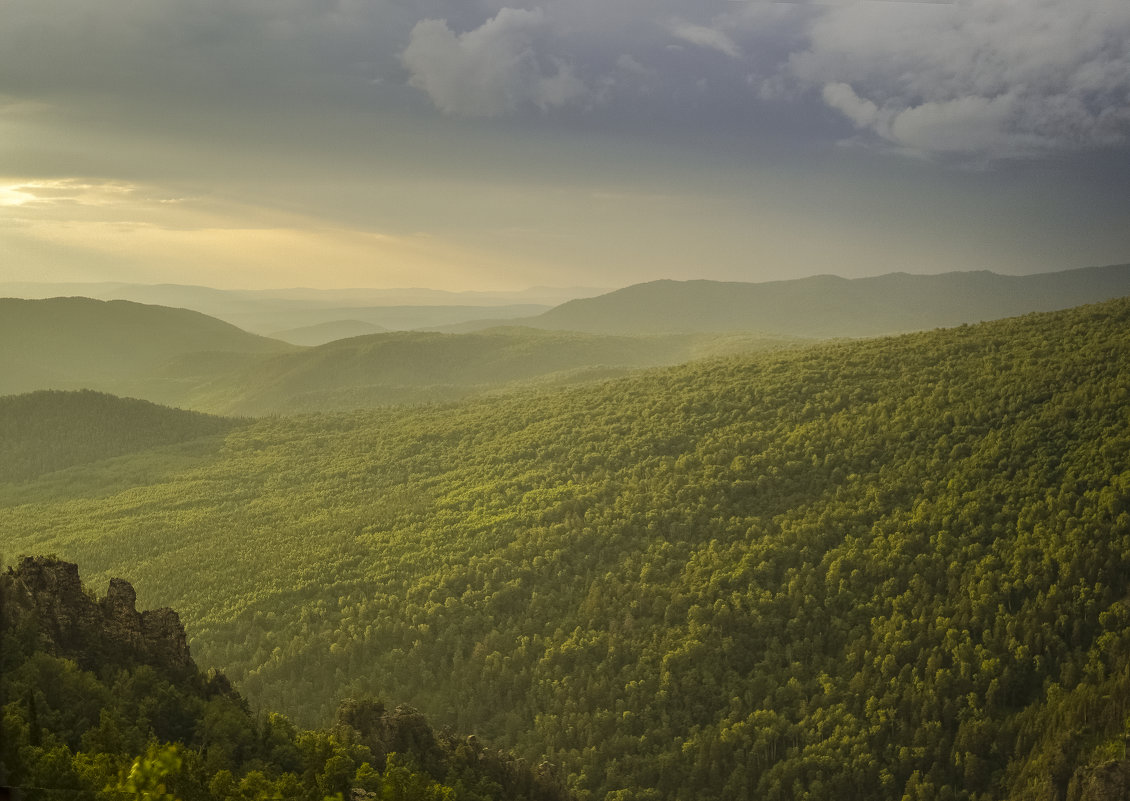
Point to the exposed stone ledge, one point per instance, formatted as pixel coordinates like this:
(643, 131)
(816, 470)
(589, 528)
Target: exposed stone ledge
(47, 594)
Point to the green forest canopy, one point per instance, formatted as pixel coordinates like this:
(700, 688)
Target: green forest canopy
(885, 569)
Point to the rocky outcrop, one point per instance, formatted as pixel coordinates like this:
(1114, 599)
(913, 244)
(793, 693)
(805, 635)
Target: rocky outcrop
(48, 592)
(163, 635)
(1109, 781)
(46, 599)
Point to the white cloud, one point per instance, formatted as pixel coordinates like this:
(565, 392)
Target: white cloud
(843, 98)
(704, 36)
(965, 124)
(490, 70)
(982, 77)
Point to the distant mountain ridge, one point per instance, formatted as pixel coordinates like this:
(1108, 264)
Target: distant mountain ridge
(263, 311)
(826, 306)
(183, 358)
(240, 299)
(321, 333)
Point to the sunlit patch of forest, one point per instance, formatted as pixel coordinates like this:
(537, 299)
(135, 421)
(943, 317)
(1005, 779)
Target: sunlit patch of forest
(883, 569)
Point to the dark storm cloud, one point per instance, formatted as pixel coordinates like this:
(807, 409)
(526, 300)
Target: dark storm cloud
(514, 57)
(979, 77)
(143, 49)
(557, 141)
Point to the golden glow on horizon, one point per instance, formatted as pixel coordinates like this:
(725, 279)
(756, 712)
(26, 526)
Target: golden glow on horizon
(465, 234)
(157, 237)
(15, 195)
(66, 190)
(283, 256)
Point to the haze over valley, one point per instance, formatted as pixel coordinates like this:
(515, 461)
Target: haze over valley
(188, 359)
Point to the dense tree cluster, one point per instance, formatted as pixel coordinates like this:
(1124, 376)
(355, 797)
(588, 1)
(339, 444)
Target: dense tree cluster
(889, 569)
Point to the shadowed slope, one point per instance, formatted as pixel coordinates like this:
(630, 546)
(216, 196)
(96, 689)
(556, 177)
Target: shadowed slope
(74, 343)
(50, 430)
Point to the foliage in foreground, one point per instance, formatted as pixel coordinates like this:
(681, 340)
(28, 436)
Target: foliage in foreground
(87, 723)
(876, 570)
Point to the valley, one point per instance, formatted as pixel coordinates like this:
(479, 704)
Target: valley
(884, 568)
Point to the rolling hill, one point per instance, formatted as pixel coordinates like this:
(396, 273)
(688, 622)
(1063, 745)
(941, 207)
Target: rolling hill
(888, 569)
(75, 343)
(49, 430)
(428, 367)
(827, 306)
(183, 358)
(267, 310)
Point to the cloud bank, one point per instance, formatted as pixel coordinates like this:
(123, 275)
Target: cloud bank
(982, 79)
(491, 70)
(996, 78)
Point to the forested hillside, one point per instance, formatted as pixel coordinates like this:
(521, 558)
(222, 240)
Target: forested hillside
(888, 569)
(422, 367)
(104, 702)
(79, 343)
(44, 431)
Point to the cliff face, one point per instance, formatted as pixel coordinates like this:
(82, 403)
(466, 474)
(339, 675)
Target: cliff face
(1109, 781)
(45, 599)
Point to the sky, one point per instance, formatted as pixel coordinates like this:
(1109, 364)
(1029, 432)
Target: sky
(502, 145)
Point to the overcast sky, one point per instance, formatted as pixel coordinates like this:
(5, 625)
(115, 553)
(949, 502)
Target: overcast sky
(486, 145)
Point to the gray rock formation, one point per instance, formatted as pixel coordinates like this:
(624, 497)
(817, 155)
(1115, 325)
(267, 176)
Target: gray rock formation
(46, 595)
